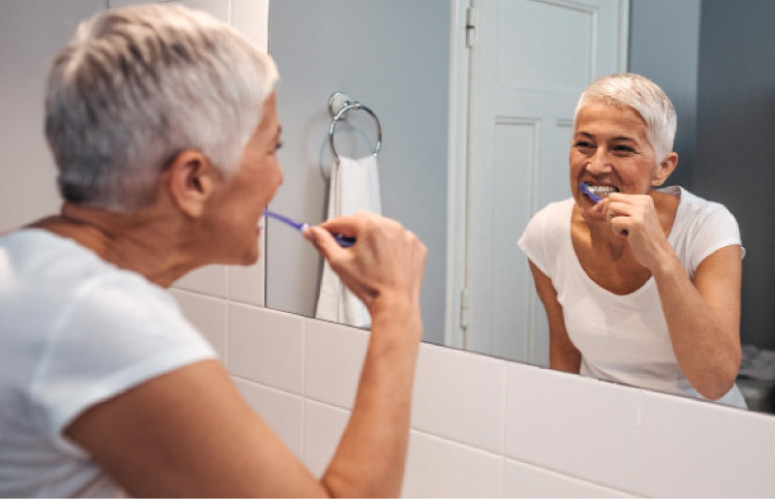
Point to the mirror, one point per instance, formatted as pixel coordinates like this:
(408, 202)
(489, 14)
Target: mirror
(402, 59)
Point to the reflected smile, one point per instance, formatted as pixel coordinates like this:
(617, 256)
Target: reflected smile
(601, 191)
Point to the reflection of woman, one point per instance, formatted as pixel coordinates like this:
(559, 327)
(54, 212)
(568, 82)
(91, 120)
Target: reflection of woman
(164, 128)
(643, 287)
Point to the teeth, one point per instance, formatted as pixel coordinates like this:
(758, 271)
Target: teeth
(602, 191)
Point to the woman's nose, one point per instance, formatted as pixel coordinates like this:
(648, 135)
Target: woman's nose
(599, 163)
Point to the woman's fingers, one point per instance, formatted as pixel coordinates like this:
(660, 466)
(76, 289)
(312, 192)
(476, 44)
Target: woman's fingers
(349, 225)
(386, 260)
(323, 241)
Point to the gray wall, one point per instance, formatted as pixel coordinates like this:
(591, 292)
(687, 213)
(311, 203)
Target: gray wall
(736, 142)
(715, 59)
(664, 46)
(393, 56)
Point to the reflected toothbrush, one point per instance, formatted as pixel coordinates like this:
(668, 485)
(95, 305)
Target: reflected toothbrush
(585, 189)
(344, 241)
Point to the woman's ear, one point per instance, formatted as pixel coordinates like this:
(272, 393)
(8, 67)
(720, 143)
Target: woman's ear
(192, 180)
(665, 168)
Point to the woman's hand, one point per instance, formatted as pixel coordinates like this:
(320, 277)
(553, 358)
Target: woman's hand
(634, 216)
(386, 263)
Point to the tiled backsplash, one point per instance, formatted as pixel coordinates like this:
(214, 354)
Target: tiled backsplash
(484, 427)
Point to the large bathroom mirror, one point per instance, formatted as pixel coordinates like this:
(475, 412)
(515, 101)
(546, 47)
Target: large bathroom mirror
(417, 64)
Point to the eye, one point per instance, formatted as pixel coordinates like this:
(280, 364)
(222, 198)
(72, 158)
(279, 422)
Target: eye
(278, 145)
(620, 148)
(584, 145)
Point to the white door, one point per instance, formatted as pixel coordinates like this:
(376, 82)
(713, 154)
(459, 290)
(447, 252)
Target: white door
(530, 61)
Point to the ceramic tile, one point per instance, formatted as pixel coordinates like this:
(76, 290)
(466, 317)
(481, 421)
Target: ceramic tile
(247, 284)
(580, 426)
(438, 468)
(114, 4)
(527, 481)
(282, 411)
(217, 8)
(333, 357)
(700, 449)
(323, 427)
(460, 396)
(208, 315)
(266, 347)
(251, 17)
(208, 280)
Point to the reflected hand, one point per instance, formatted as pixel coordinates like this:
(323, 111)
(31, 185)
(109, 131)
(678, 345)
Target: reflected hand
(385, 265)
(634, 216)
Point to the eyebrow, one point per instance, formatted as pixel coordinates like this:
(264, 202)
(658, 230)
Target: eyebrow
(617, 138)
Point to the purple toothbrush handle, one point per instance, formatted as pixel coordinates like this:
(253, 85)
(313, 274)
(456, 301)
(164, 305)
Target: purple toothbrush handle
(344, 241)
(585, 189)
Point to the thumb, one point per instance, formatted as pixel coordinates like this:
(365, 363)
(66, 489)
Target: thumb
(323, 241)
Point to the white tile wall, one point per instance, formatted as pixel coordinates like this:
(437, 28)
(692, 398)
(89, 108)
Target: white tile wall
(334, 356)
(246, 284)
(208, 315)
(460, 397)
(243, 16)
(266, 347)
(573, 424)
(483, 427)
(323, 427)
(209, 280)
(528, 481)
(283, 412)
(691, 449)
(439, 468)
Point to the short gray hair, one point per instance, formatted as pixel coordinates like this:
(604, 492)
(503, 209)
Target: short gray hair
(138, 85)
(644, 97)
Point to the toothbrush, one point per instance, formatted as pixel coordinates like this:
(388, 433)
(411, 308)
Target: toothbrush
(585, 189)
(344, 241)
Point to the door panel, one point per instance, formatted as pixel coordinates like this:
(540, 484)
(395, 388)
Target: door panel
(530, 61)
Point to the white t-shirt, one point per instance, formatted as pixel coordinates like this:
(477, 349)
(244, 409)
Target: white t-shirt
(74, 331)
(624, 338)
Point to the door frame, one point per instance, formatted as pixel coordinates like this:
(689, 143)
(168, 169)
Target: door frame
(459, 151)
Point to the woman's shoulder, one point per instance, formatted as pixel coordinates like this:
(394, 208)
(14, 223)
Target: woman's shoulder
(51, 274)
(557, 213)
(545, 232)
(693, 206)
(701, 227)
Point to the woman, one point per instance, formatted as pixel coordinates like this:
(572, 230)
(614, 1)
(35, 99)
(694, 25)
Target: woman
(643, 286)
(164, 128)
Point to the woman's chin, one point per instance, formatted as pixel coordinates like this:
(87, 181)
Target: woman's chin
(590, 215)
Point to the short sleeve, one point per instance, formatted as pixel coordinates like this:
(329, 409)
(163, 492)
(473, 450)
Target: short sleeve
(535, 239)
(112, 337)
(718, 230)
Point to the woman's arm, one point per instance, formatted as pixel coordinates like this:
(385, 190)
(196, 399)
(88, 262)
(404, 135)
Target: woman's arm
(563, 355)
(189, 433)
(703, 317)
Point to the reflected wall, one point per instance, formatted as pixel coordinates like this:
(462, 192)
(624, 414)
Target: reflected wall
(393, 56)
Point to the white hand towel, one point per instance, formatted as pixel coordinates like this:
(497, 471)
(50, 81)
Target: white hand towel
(354, 187)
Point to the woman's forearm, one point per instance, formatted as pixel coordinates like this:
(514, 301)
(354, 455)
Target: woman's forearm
(707, 351)
(371, 456)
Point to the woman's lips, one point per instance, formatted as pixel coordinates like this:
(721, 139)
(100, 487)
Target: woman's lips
(601, 191)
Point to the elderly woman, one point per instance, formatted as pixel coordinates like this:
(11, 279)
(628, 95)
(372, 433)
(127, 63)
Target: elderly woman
(163, 126)
(641, 286)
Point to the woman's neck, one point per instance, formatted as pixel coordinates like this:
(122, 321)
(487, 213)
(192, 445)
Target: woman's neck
(143, 242)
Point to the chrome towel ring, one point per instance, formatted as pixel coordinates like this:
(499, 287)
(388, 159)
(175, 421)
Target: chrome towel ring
(339, 105)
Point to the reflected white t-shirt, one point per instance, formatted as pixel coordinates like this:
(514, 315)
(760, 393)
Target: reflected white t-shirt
(74, 331)
(624, 338)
